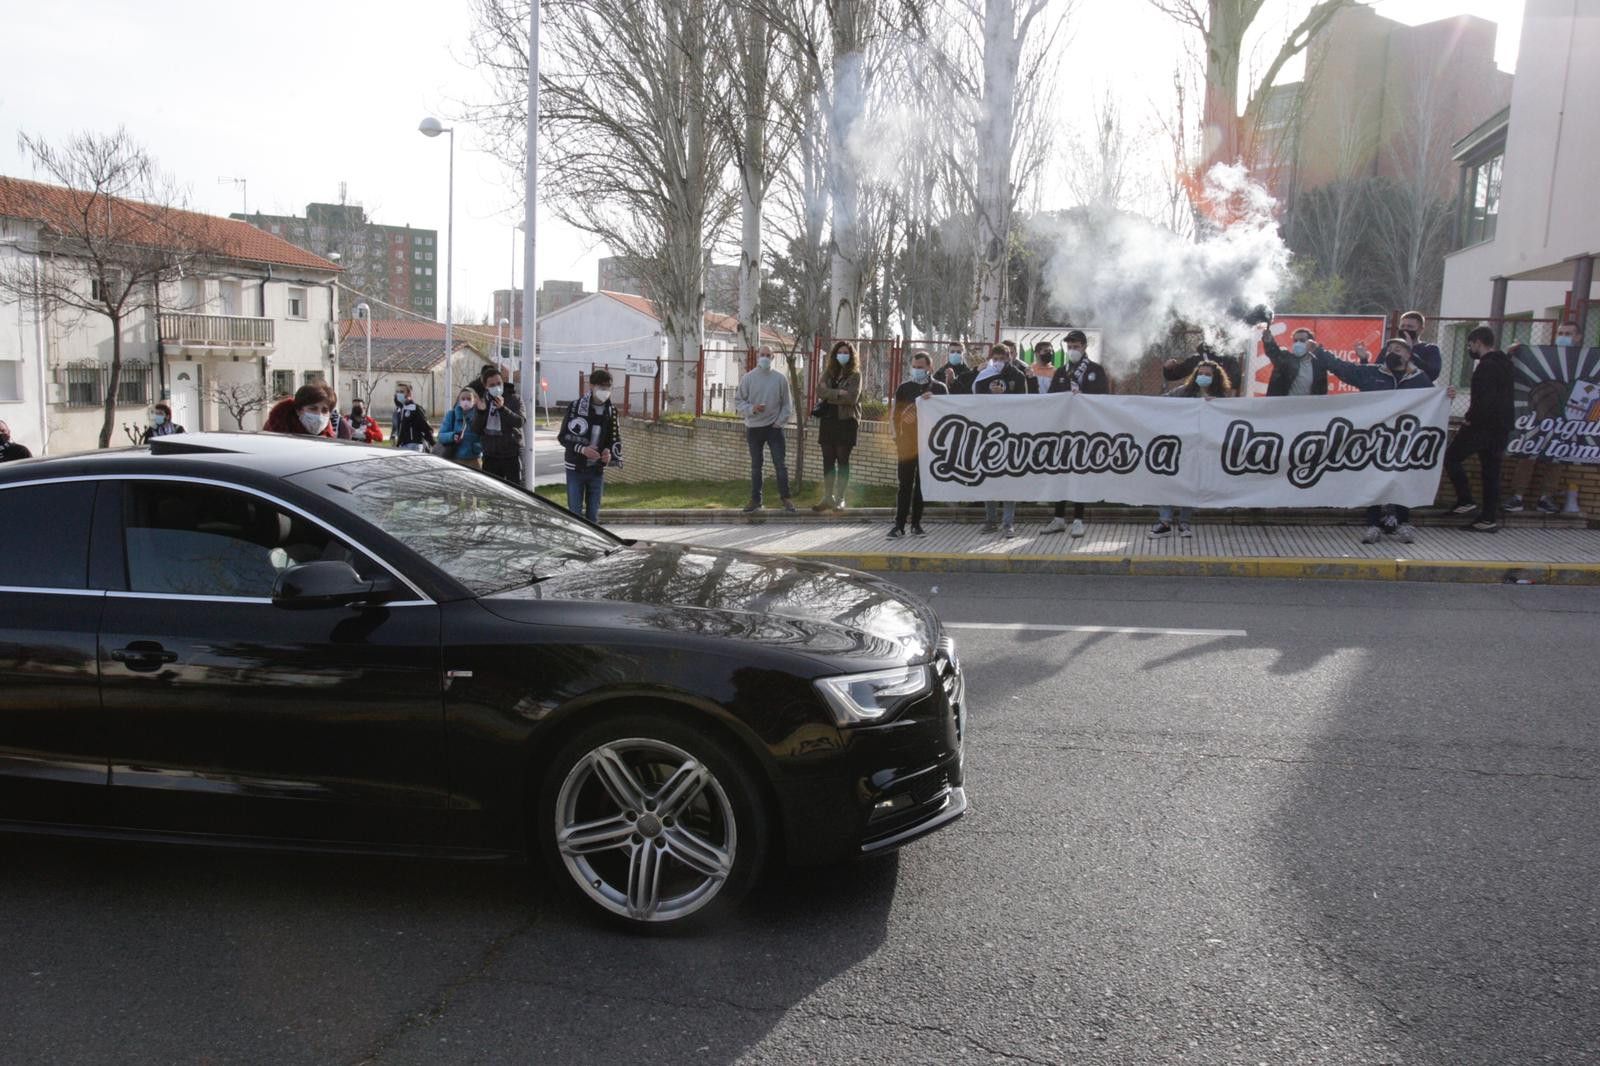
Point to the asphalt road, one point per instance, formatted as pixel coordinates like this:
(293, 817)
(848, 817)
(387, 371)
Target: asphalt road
(1364, 831)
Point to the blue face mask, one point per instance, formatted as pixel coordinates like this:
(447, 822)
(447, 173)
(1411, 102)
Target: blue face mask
(1301, 347)
(1203, 380)
(843, 358)
(764, 362)
(957, 359)
(158, 418)
(919, 375)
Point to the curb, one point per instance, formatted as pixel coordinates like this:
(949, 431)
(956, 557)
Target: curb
(1482, 573)
(966, 516)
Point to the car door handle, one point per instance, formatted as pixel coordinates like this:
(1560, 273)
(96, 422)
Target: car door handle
(144, 656)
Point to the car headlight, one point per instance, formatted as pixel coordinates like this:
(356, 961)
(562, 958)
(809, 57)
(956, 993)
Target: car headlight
(857, 698)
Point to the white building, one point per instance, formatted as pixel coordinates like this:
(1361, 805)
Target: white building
(624, 333)
(254, 311)
(1528, 232)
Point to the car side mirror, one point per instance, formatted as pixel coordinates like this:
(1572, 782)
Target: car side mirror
(326, 584)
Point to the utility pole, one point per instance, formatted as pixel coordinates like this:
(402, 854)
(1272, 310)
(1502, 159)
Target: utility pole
(529, 367)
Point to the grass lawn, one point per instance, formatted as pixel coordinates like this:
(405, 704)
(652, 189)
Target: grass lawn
(687, 495)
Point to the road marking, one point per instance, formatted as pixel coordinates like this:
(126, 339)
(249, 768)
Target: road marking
(1029, 627)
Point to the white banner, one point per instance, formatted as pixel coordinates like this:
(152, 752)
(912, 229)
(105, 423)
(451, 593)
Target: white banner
(1311, 451)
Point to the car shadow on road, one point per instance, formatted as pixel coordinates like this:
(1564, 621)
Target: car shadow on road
(135, 953)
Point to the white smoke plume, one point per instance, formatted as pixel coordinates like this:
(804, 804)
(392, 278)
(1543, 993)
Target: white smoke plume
(1136, 280)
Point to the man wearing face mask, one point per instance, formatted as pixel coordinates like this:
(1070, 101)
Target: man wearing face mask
(10, 449)
(955, 374)
(593, 439)
(498, 424)
(1295, 372)
(1000, 377)
(1484, 431)
(903, 417)
(1079, 374)
(415, 433)
(1425, 356)
(764, 402)
(1395, 371)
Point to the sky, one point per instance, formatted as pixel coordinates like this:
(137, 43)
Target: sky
(299, 96)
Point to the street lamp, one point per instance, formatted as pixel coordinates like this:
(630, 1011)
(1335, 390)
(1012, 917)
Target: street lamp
(432, 127)
(498, 350)
(364, 313)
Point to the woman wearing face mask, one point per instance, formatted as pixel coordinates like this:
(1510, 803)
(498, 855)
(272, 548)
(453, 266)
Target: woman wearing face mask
(840, 411)
(308, 413)
(456, 436)
(1209, 381)
(1394, 371)
(161, 423)
(414, 434)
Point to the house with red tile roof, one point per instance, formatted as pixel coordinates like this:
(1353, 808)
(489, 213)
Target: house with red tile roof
(250, 311)
(624, 333)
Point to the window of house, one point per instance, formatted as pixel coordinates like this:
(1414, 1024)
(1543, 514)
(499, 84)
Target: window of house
(297, 303)
(133, 384)
(430, 257)
(417, 256)
(315, 377)
(282, 383)
(416, 240)
(428, 271)
(10, 379)
(1480, 201)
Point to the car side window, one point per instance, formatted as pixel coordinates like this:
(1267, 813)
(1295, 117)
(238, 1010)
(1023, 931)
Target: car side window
(202, 540)
(44, 535)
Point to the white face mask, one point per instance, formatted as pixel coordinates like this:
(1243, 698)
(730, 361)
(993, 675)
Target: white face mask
(999, 361)
(314, 421)
(1074, 354)
(466, 403)
(602, 395)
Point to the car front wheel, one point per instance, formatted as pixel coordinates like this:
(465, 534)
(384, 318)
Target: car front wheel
(653, 822)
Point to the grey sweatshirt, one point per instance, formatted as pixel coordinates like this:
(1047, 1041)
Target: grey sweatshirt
(763, 387)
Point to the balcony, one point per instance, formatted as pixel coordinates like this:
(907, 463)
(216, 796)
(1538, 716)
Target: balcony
(216, 334)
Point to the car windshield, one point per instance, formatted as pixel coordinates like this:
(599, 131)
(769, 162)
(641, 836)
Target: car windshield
(486, 534)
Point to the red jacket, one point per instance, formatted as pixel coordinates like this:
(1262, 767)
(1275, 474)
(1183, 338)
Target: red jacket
(283, 418)
(366, 428)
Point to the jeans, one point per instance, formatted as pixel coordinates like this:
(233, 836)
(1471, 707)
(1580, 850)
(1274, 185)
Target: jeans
(1489, 453)
(411, 447)
(1184, 514)
(583, 492)
(1388, 515)
(770, 437)
(992, 510)
(909, 498)
(835, 469)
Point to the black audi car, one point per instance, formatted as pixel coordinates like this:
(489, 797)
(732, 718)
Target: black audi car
(230, 638)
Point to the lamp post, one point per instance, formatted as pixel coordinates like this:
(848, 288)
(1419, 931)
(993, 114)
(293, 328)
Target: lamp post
(530, 321)
(432, 127)
(364, 313)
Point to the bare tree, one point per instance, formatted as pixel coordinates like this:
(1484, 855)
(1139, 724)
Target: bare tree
(239, 398)
(1222, 26)
(633, 157)
(1411, 219)
(111, 231)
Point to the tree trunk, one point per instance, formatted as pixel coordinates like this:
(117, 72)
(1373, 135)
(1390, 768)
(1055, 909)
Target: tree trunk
(754, 178)
(844, 178)
(113, 380)
(996, 120)
(1220, 141)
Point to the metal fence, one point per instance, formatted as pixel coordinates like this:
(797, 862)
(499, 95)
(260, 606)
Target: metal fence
(84, 383)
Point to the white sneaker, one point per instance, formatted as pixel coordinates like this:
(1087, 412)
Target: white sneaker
(1009, 532)
(1372, 535)
(1057, 525)
(1077, 527)
(1184, 530)
(1407, 533)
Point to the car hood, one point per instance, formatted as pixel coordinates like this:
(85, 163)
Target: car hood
(812, 608)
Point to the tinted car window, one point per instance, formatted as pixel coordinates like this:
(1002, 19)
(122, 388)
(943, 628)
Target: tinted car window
(44, 535)
(484, 533)
(200, 540)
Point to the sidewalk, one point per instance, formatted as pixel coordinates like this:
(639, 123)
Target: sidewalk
(1556, 553)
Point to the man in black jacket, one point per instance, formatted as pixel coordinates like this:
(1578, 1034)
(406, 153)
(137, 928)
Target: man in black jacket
(955, 375)
(1083, 375)
(1485, 430)
(1298, 371)
(10, 449)
(592, 435)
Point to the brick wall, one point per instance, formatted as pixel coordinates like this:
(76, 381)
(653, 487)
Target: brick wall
(714, 449)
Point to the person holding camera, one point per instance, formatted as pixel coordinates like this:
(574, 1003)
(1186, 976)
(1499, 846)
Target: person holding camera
(498, 425)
